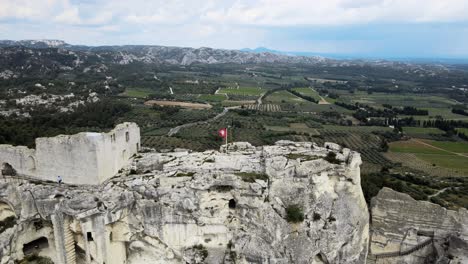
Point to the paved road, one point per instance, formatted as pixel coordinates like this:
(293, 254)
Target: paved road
(176, 129)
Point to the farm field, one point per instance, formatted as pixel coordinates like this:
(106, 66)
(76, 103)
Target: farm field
(420, 163)
(359, 139)
(443, 157)
(413, 146)
(176, 103)
(264, 107)
(297, 127)
(367, 129)
(308, 91)
(458, 147)
(312, 93)
(422, 132)
(284, 97)
(237, 103)
(452, 162)
(416, 100)
(137, 92)
(249, 91)
(445, 113)
(212, 97)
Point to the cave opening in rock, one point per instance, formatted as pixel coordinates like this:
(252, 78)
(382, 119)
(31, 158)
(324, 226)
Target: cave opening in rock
(320, 258)
(35, 246)
(8, 170)
(89, 236)
(232, 204)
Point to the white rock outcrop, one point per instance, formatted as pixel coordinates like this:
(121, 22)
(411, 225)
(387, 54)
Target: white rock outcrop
(231, 206)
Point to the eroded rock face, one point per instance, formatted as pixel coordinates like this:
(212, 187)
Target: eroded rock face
(191, 207)
(400, 224)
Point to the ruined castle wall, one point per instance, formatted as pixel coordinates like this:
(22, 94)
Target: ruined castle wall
(114, 149)
(83, 158)
(21, 159)
(71, 157)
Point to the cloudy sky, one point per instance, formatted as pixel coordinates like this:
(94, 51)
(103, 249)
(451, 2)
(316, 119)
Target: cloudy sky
(380, 28)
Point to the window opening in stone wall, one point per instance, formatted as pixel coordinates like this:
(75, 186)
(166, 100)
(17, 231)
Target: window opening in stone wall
(232, 204)
(89, 236)
(127, 136)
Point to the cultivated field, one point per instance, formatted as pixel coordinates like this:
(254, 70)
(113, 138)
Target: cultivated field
(176, 103)
(212, 97)
(248, 91)
(422, 132)
(284, 97)
(137, 92)
(264, 107)
(424, 164)
(441, 157)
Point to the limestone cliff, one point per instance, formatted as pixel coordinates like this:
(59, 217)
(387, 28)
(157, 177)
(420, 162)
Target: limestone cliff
(286, 203)
(408, 231)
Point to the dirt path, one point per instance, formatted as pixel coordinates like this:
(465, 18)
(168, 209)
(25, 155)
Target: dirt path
(439, 192)
(322, 100)
(176, 129)
(434, 147)
(225, 94)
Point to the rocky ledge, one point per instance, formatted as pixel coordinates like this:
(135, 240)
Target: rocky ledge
(286, 203)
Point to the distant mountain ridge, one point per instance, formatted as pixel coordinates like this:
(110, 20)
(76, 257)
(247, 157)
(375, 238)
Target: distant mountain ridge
(163, 54)
(47, 56)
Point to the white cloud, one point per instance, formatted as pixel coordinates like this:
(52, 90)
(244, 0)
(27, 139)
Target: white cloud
(247, 12)
(215, 23)
(338, 12)
(70, 15)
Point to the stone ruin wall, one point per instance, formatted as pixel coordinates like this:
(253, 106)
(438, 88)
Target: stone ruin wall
(83, 158)
(400, 223)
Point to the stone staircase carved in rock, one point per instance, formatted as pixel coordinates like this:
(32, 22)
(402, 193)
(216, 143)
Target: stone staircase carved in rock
(374, 257)
(69, 243)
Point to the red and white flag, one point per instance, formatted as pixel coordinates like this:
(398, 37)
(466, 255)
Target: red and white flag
(222, 132)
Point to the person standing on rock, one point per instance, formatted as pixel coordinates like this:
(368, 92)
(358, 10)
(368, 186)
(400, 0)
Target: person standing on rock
(59, 180)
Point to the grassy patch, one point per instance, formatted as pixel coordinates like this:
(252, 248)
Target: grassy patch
(212, 97)
(309, 92)
(453, 162)
(411, 146)
(201, 251)
(34, 258)
(301, 156)
(137, 92)
(331, 157)
(252, 176)
(458, 147)
(284, 97)
(294, 214)
(422, 131)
